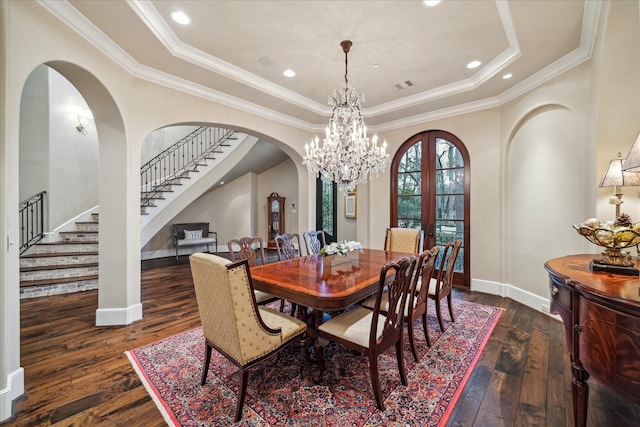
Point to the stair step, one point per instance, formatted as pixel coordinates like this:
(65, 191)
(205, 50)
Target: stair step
(58, 254)
(87, 226)
(49, 267)
(56, 287)
(79, 236)
(65, 273)
(49, 260)
(58, 248)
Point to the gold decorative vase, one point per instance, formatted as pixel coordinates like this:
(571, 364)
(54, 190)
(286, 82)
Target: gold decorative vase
(614, 239)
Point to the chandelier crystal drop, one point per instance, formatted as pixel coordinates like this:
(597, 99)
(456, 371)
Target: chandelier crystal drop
(346, 156)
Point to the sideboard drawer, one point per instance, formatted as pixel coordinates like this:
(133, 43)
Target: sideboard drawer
(560, 294)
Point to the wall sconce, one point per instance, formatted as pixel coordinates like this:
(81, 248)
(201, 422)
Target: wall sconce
(616, 177)
(84, 118)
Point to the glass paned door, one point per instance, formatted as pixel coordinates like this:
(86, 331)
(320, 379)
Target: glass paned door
(430, 190)
(326, 209)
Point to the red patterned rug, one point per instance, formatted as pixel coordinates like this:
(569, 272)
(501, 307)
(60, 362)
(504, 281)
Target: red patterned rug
(281, 391)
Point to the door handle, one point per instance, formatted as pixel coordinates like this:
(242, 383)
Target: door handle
(431, 230)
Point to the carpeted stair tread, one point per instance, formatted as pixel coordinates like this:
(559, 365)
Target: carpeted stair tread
(28, 283)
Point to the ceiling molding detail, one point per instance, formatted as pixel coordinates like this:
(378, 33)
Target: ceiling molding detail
(145, 10)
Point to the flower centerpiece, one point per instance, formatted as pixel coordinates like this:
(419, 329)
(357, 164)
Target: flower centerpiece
(341, 252)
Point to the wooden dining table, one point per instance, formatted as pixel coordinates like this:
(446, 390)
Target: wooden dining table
(308, 282)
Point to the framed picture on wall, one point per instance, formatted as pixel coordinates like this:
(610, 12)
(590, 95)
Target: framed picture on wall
(350, 205)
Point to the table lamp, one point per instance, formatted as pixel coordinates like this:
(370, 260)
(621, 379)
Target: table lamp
(617, 178)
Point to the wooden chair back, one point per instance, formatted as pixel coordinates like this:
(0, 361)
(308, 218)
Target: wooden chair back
(314, 241)
(285, 246)
(249, 248)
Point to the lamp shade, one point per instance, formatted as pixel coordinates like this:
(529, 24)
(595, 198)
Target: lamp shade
(632, 162)
(617, 177)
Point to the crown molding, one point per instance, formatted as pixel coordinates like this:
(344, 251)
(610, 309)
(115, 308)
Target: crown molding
(76, 21)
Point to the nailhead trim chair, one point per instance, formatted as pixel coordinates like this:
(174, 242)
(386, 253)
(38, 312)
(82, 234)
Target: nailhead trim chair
(233, 323)
(371, 332)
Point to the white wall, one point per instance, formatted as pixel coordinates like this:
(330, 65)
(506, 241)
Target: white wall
(500, 143)
(281, 179)
(54, 156)
(161, 139)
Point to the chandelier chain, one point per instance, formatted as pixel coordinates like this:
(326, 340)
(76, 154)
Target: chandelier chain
(346, 156)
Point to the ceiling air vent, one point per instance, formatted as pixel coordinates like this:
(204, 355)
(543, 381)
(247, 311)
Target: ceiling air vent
(404, 85)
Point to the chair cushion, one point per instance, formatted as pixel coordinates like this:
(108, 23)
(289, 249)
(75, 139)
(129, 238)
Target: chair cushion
(202, 241)
(291, 327)
(384, 304)
(403, 240)
(263, 296)
(353, 325)
(433, 283)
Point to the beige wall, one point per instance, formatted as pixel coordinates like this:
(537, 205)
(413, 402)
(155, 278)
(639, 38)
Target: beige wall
(563, 129)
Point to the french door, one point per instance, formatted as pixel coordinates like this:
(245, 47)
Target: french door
(326, 209)
(430, 190)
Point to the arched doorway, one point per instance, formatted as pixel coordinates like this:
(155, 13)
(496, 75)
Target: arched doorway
(430, 190)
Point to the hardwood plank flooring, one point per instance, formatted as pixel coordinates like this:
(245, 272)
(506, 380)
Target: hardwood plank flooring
(77, 374)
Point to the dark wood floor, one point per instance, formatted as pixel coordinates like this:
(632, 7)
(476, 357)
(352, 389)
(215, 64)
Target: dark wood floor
(77, 374)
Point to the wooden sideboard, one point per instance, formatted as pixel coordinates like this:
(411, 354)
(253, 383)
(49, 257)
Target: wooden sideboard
(601, 316)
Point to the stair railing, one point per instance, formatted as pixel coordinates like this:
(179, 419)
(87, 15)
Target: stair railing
(178, 160)
(31, 213)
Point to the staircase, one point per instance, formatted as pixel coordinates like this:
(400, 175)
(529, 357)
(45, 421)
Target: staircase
(71, 264)
(62, 267)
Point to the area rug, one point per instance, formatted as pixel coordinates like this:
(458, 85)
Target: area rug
(282, 391)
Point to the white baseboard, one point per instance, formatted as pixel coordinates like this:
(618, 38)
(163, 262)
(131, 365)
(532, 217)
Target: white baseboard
(167, 253)
(15, 389)
(508, 291)
(118, 316)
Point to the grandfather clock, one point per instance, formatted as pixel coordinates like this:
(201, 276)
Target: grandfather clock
(275, 218)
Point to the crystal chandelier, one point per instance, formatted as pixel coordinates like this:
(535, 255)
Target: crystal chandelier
(346, 156)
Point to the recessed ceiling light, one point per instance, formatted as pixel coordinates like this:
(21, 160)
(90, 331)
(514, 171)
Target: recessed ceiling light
(375, 66)
(221, 182)
(507, 76)
(474, 64)
(431, 3)
(289, 72)
(180, 17)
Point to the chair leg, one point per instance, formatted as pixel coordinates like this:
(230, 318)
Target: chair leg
(242, 390)
(450, 302)
(205, 365)
(426, 329)
(412, 340)
(439, 314)
(375, 382)
(281, 305)
(400, 357)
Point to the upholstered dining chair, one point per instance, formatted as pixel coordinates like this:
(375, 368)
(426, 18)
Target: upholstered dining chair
(417, 299)
(246, 251)
(403, 240)
(441, 285)
(285, 246)
(370, 331)
(233, 323)
(314, 241)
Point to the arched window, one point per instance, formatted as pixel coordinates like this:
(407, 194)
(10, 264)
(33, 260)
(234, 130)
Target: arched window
(430, 190)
